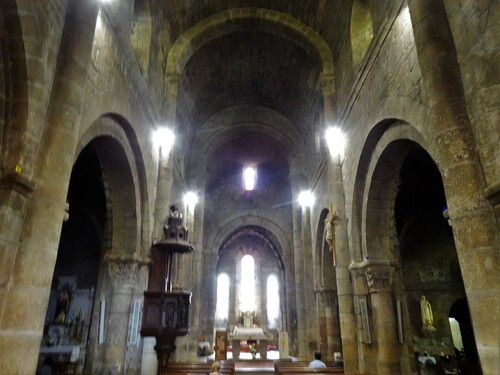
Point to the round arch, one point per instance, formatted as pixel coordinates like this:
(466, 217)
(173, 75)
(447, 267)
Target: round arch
(385, 149)
(238, 220)
(226, 22)
(124, 175)
(231, 122)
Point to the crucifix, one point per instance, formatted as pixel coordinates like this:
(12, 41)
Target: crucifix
(330, 232)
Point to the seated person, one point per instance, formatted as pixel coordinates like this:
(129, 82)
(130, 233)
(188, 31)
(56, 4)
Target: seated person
(337, 360)
(215, 369)
(317, 362)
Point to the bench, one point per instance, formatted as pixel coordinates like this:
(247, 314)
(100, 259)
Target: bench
(303, 368)
(290, 370)
(177, 368)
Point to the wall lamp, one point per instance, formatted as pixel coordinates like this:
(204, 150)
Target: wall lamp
(306, 198)
(163, 140)
(336, 141)
(190, 200)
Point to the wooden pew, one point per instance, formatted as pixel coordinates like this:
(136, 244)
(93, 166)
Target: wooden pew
(177, 368)
(303, 368)
(290, 370)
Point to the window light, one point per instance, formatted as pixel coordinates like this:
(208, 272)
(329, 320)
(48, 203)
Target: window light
(249, 177)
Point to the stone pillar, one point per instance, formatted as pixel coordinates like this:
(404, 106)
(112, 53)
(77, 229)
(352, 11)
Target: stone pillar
(323, 329)
(123, 274)
(344, 283)
(308, 281)
(333, 341)
(298, 261)
(330, 350)
(164, 184)
(471, 216)
(379, 280)
(26, 293)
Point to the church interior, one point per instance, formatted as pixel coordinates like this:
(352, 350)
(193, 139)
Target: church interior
(249, 181)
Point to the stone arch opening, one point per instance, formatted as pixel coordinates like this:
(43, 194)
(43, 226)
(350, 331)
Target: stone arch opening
(361, 30)
(266, 250)
(104, 226)
(84, 235)
(429, 263)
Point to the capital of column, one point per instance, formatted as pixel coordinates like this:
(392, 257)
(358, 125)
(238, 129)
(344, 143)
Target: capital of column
(123, 270)
(379, 274)
(327, 84)
(173, 84)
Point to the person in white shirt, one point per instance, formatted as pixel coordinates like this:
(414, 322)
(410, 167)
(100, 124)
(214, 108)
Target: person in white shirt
(317, 362)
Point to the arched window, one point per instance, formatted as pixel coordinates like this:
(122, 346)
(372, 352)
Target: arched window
(247, 287)
(222, 308)
(273, 301)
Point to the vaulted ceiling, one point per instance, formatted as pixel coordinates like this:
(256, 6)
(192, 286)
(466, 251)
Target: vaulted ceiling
(250, 61)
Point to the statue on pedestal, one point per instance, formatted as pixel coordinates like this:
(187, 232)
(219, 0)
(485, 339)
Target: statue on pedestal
(427, 317)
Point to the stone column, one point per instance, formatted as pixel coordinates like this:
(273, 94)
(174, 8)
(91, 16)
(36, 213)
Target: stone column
(379, 280)
(164, 184)
(308, 279)
(471, 217)
(26, 293)
(123, 274)
(332, 325)
(298, 261)
(322, 322)
(344, 283)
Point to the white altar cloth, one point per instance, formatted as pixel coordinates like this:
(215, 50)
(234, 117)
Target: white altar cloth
(254, 332)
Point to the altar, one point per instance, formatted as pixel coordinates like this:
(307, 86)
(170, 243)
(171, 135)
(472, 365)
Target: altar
(252, 334)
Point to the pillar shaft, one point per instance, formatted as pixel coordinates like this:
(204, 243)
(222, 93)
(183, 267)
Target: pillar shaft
(471, 217)
(379, 279)
(300, 303)
(311, 309)
(343, 275)
(26, 296)
(124, 277)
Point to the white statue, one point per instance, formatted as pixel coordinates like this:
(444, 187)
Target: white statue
(427, 317)
(330, 233)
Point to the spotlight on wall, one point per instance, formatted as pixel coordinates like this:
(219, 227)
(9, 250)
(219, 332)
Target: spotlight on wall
(306, 198)
(190, 200)
(163, 140)
(335, 140)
